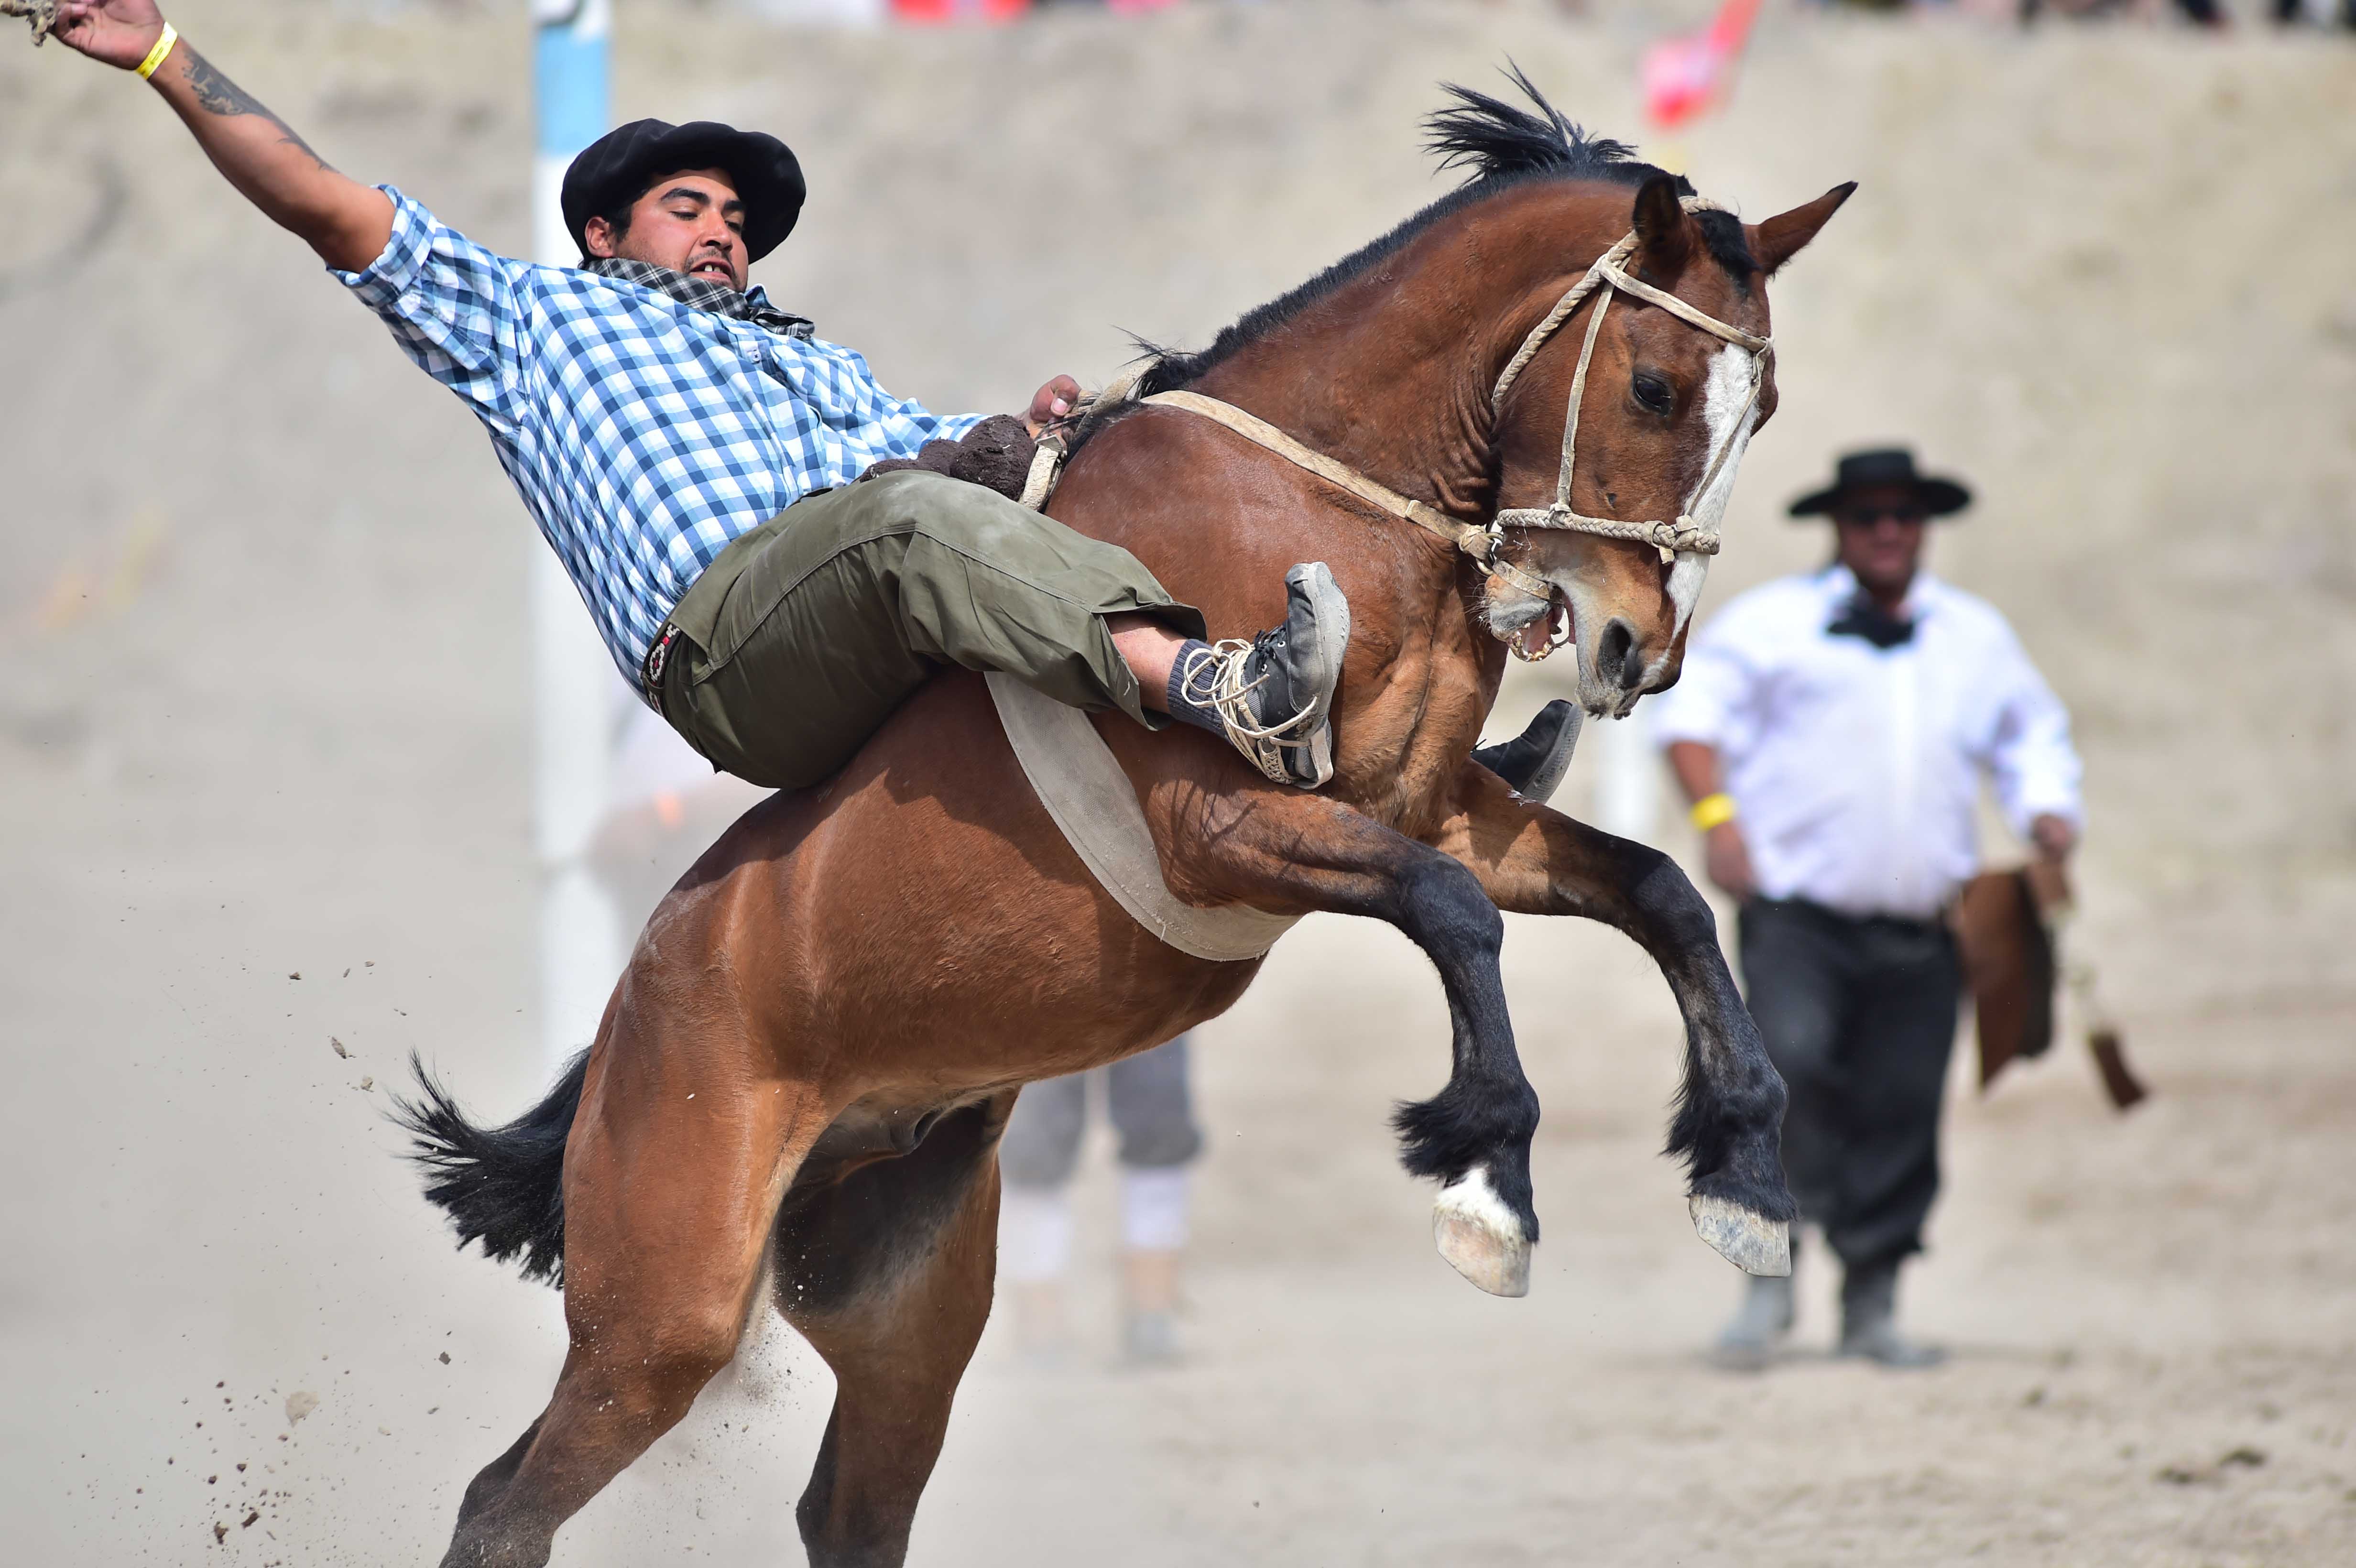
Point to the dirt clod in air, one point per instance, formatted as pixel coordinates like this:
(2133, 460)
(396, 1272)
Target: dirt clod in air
(445, 1358)
(2243, 1457)
(338, 1045)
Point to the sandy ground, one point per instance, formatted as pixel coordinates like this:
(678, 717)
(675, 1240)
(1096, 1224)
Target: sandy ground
(263, 751)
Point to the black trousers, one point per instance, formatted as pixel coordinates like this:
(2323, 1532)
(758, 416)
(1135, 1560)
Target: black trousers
(1859, 1016)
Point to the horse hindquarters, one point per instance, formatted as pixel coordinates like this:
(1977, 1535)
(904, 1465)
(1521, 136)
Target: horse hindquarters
(678, 1160)
(915, 932)
(888, 1273)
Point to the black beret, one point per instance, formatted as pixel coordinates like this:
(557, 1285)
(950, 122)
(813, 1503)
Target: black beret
(615, 170)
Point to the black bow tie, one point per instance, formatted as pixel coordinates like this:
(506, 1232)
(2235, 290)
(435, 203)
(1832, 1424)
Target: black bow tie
(1861, 617)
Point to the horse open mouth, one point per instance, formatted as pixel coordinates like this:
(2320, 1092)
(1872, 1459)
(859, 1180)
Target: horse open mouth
(1543, 633)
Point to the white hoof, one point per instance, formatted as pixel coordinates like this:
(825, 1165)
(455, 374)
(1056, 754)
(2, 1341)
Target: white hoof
(1480, 1237)
(1750, 1243)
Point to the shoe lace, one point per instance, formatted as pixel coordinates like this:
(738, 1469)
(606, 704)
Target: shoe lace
(1213, 678)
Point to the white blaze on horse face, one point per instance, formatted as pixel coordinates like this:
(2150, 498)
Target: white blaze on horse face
(1726, 398)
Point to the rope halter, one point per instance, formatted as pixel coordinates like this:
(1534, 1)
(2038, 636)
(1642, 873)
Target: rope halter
(1686, 537)
(1609, 274)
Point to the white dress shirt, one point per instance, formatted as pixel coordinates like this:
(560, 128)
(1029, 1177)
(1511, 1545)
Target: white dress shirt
(1856, 768)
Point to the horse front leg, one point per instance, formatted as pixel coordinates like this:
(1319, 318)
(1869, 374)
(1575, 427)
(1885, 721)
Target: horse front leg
(1729, 1115)
(1303, 852)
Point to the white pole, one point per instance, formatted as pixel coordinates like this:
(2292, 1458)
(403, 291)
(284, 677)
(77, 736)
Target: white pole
(1628, 788)
(572, 679)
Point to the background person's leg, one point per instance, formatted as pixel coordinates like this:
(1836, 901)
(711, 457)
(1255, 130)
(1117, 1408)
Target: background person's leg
(1796, 983)
(1903, 1034)
(1151, 1106)
(1036, 1156)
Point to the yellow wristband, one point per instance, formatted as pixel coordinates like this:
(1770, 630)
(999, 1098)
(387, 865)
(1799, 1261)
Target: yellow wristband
(1713, 810)
(164, 42)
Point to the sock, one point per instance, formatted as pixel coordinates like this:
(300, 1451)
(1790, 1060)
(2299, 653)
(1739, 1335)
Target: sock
(1154, 1205)
(1182, 707)
(1034, 1234)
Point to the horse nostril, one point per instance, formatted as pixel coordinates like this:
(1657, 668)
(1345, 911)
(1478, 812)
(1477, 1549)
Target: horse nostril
(1616, 658)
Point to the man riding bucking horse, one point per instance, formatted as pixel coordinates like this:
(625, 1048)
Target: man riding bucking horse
(689, 449)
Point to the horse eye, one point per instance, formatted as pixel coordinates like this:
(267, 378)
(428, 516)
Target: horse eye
(1655, 393)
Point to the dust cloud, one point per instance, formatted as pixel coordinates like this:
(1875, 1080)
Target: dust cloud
(262, 610)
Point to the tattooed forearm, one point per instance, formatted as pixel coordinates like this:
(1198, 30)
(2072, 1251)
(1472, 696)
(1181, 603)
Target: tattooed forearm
(217, 94)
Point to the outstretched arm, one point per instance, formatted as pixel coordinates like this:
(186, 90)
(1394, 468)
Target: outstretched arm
(346, 223)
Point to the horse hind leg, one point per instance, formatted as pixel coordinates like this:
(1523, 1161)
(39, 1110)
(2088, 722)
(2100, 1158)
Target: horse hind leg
(666, 1224)
(888, 1274)
(493, 1478)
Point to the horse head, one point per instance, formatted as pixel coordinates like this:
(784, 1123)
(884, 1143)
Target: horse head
(1620, 425)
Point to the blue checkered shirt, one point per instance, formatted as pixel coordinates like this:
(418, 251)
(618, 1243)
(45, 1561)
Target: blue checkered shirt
(644, 434)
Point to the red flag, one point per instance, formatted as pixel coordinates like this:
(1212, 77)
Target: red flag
(1685, 75)
(935, 11)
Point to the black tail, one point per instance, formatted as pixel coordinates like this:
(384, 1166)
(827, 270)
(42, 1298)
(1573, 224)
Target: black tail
(504, 1186)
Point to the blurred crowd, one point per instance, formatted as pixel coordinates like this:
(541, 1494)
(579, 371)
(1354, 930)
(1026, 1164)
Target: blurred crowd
(2214, 13)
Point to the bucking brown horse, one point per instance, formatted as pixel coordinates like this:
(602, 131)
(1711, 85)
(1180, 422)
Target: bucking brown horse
(799, 1083)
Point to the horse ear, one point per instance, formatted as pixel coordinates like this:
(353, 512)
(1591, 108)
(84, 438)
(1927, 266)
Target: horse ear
(1779, 239)
(1664, 231)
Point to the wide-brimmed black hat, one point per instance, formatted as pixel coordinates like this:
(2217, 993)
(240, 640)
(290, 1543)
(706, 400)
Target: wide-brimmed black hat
(1883, 466)
(618, 167)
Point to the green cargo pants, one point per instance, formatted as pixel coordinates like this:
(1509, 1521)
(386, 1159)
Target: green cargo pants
(803, 636)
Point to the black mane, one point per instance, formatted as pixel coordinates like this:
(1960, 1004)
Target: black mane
(1503, 145)
(1499, 142)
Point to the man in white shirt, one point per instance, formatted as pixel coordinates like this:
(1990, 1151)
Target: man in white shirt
(1832, 731)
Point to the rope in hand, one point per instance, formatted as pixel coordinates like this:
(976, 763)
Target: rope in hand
(41, 13)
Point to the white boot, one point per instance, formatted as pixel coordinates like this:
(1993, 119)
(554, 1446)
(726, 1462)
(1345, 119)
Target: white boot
(1759, 1325)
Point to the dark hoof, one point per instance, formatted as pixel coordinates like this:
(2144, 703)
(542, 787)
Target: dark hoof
(1533, 762)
